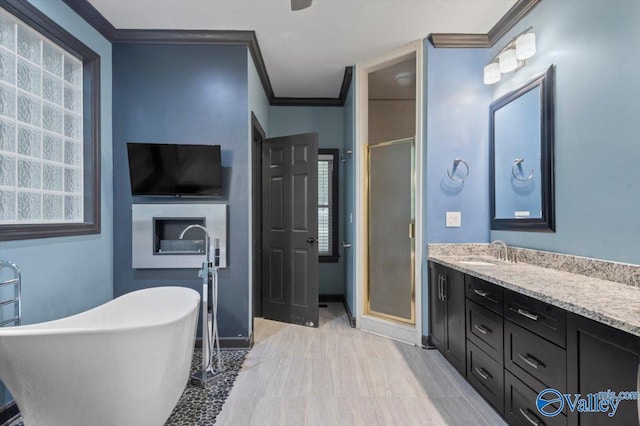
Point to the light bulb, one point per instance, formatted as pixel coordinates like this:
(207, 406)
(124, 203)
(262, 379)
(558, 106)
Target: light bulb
(508, 61)
(492, 73)
(526, 46)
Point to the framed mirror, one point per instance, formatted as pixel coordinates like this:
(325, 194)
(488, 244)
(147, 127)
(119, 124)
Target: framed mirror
(521, 158)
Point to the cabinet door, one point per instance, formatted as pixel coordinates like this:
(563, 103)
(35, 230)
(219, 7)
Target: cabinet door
(601, 358)
(436, 306)
(456, 324)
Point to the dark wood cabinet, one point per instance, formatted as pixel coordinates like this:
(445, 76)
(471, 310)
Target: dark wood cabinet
(602, 358)
(484, 293)
(484, 329)
(517, 346)
(527, 354)
(537, 316)
(520, 404)
(447, 314)
(486, 375)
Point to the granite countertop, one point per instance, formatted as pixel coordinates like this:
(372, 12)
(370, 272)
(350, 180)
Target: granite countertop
(608, 302)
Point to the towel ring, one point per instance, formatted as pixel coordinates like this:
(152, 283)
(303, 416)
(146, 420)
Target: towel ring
(456, 162)
(517, 163)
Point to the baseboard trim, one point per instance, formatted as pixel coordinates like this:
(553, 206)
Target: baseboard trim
(324, 298)
(8, 413)
(350, 317)
(427, 343)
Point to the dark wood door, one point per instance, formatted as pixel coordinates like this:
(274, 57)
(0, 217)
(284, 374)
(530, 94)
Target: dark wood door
(436, 306)
(290, 229)
(456, 324)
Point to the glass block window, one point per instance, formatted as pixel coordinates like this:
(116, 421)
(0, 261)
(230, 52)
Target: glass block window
(327, 204)
(41, 128)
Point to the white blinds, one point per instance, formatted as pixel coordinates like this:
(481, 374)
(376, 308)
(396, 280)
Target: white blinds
(325, 205)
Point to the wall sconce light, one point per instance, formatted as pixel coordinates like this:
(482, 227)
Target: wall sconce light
(512, 57)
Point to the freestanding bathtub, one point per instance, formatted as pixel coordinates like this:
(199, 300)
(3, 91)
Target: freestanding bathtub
(123, 363)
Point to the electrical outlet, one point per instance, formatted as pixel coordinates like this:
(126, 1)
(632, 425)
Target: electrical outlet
(454, 220)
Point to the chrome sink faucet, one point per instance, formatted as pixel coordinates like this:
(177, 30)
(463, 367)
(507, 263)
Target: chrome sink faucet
(499, 244)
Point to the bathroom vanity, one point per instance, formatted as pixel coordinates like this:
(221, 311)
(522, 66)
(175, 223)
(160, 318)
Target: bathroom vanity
(527, 328)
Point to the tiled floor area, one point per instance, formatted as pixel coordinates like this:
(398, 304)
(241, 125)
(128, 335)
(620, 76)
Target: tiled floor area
(332, 375)
(337, 375)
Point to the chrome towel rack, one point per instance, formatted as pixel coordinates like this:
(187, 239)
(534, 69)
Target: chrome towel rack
(517, 164)
(451, 173)
(16, 282)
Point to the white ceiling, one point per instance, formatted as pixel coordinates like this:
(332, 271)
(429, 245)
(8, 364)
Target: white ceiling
(305, 52)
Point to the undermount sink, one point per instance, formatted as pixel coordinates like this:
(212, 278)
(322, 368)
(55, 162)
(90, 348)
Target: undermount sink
(477, 263)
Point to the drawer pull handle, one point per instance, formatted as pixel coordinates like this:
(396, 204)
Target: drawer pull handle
(531, 361)
(483, 373)
(484, 294)
(527, 314)
(482, 329)
(534, 421)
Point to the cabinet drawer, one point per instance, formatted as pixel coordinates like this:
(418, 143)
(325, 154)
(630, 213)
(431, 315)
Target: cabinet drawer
(485, 330)
(540, 317)
(486, 375)
(483, 292)
(525, 351)
(520, 405)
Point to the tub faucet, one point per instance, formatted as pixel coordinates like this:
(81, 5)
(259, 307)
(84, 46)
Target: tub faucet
(500, 245)
(209, 275)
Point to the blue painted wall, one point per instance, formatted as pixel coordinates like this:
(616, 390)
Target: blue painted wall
(349, 221)
(456, 125)
(64, 276)
(328, 122)
(595, 47)
(185, 94)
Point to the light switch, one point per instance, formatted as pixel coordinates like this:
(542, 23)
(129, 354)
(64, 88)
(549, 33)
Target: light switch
(454, 220)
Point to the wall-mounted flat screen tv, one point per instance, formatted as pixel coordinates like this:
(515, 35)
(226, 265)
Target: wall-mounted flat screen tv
(175, 170)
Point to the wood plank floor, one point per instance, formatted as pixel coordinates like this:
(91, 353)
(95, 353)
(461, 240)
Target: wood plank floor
(337, 375)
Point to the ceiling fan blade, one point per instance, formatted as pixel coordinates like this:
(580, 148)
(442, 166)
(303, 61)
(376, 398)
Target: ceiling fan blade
(300, 4)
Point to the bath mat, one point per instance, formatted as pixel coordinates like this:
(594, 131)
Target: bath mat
(197, 406)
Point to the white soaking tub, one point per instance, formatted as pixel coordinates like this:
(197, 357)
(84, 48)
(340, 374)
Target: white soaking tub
(123, 363)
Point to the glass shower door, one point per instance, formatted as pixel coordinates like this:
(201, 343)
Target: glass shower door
(390, 290)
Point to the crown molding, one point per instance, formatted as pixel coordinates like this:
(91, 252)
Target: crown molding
(93, 17)
(510, 19)
(459, 40)
(221, 37)
(518, 11)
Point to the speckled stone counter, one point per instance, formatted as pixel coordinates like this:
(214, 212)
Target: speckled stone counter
(611, 303)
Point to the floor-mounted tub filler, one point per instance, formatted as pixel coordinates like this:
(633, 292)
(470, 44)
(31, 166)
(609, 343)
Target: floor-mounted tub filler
(126, 362)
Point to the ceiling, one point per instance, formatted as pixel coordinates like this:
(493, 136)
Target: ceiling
(306, 52)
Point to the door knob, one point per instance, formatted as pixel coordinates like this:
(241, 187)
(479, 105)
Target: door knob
(311, 240)
(346, 244)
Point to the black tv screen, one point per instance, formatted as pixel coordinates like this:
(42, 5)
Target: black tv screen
(173, 169)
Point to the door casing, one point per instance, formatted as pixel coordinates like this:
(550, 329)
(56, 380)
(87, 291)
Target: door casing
(400, 332)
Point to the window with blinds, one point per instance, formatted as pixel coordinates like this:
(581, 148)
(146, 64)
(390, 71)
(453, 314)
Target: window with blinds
(327, 203)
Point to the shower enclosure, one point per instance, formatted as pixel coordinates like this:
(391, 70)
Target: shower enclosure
(390, 293)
